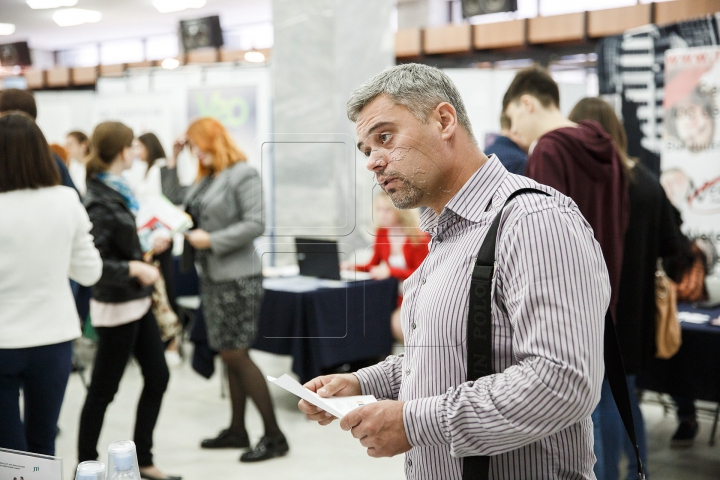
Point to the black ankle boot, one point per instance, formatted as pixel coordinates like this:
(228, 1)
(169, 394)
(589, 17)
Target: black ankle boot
(266, 448)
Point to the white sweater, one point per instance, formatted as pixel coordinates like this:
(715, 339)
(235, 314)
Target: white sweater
(44, 239)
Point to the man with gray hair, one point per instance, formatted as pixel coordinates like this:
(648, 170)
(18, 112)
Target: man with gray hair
(529, 417)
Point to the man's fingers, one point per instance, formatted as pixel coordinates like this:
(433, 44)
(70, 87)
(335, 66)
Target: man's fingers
(359, 433)
(316, 417)
(351, 420)
(314, 384)
(373, 452)
(332, 387)
(307, 407)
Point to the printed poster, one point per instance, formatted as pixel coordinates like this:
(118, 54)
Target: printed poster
(234, 107)
(690, 160)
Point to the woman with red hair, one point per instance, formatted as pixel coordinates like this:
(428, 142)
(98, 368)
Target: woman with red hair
(226, 205)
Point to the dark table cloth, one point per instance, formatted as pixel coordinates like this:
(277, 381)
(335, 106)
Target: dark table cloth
(328, 327)
(694, 371)
(320, 329)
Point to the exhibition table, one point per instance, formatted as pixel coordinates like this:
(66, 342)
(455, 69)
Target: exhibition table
(320, 323)
(326, 324)
(693, 372)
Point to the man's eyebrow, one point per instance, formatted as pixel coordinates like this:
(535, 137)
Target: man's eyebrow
(374, 127)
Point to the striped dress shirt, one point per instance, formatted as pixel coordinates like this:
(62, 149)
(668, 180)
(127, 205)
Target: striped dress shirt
(551, 290)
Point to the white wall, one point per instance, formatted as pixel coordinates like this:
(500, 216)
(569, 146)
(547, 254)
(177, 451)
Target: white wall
(63, 112)
(148, 100)
(482, 91)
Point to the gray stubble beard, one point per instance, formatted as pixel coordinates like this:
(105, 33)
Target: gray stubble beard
(407, 197)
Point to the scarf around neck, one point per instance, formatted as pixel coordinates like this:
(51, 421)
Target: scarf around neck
(120, 185)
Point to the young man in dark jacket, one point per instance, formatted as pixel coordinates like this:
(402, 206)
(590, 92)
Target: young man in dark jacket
(577, 159)
(509, 148)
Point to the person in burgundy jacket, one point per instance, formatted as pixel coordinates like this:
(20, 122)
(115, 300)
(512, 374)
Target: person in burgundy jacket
(577, 159)
(400, 247)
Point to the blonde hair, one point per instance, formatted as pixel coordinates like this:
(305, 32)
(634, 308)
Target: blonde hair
(210, 136)
(408, 219)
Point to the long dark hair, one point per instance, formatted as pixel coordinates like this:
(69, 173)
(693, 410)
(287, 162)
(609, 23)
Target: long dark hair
(108, 140)
(595, 108)
(25, 158)
(154, 148)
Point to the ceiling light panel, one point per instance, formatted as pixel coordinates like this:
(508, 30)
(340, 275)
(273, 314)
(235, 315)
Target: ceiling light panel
(40, 4)
(69, 17)
(7, 28)
(168, 6)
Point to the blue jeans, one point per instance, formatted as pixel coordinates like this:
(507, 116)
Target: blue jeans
(611, 438)
(42, 373)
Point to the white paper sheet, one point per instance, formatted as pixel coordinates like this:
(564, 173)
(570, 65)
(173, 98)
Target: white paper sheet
(337, 406)
(692, 317)
(14, 464)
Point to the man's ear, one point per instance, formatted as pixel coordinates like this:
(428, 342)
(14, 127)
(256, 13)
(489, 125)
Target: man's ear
(447, 117)
(529, 103)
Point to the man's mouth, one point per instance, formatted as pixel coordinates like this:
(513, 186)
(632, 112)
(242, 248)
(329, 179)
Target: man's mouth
(385, 182)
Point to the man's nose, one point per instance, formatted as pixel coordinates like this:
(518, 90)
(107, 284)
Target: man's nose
(376, 161)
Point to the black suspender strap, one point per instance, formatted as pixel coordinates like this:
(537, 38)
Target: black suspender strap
(479, 347)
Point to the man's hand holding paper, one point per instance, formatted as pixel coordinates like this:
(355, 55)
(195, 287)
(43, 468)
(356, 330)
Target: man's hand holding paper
(379, 426)
(340, 385)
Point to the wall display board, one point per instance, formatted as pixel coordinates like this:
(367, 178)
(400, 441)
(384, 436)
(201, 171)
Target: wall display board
(16, 465)
(235, 107)
(631, 76)
(143, 112)
(691, 140)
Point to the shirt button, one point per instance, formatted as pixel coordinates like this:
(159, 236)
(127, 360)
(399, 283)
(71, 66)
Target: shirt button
(439, 239)
(413, 325)
(407, 372)
(409, 463)
(423, 281)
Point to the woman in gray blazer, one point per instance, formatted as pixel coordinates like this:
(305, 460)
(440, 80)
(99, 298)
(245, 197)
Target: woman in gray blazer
(226, 205)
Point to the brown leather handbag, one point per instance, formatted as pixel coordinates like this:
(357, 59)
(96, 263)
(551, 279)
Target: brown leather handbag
(167, 320)
(692, 286)
(668, 334)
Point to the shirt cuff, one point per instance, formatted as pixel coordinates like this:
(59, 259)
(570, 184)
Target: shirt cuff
(425, 422)
(375, 381)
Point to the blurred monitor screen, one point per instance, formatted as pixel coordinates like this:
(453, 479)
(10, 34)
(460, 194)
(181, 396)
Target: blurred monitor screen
(201, 33)
(12, 54)
(470, 8)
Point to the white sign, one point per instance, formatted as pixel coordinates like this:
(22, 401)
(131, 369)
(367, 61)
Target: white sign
(16, 465)
(691, 141)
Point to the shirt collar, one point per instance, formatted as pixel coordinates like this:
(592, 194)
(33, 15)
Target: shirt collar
(472, 199)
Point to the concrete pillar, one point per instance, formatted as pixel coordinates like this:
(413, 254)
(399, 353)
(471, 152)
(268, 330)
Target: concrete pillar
(323, 49)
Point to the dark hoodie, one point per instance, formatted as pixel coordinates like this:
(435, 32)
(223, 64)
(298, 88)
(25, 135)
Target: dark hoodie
(582, 163)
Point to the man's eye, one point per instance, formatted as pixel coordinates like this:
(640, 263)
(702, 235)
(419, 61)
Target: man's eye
(384, 137)
(366, 153)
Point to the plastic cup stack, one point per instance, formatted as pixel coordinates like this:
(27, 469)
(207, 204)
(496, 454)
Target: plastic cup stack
(122, 461)
(90, 471)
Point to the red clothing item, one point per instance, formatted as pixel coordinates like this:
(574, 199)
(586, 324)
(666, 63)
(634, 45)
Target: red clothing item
(583, 163)
(414, 254)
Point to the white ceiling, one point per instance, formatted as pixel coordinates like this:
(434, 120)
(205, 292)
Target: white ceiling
(122, 19)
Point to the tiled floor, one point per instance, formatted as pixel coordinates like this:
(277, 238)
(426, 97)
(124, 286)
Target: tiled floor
(193, 409)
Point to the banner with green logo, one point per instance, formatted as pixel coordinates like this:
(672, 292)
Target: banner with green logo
(234, 107)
